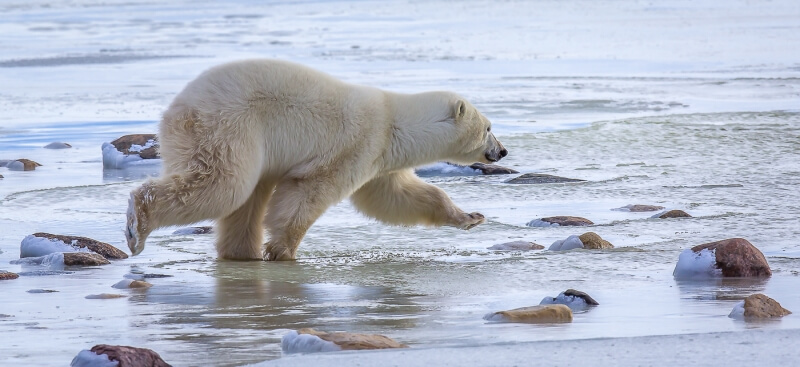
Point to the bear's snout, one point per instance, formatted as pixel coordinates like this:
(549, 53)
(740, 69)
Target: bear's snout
(496, 153)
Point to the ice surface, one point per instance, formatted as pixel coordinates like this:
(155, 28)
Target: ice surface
(738, 311)
(123, 284)
(293, 342)
(696, 265)
(57, 145)
(33, 246)
(573, 302)
(114, 159)
(55, 259)
(569, 243)
(445, 169)
(87, 358)
(511, 246)
(541, 223)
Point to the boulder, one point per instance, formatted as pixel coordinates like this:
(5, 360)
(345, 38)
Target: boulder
(636, 208)
(131, 283)
(516, 246)
(759, 306)
(539, 178)
(737, 257)
(84, 259)
(575, 300)
(1, 176)
(144, 145)
(22, 165)
(102, 248)
(7, 275)
(541, 314)
(593, 241)
(569, 243)
(560, 221)
(351, 341)
(130, 356)
(492, 169)
(57, 145)
(674, 214)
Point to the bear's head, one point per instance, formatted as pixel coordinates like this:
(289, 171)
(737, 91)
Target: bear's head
(475, 141)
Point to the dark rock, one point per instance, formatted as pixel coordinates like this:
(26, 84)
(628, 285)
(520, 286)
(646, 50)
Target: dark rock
(568, 221)
(351, 341)
(130, 356)
(57, 145)
(124, 144)
(586, 298)
(492, 169)
(84, 259)
(42, 291)
(1, 176)
(102, 248)
(22, 165)
(737, 257)
(675, 214)
(195, 230)
(592, 240)
(636, 208)
(7, 275)
(761, 306)
(539, 178)
(516, 246)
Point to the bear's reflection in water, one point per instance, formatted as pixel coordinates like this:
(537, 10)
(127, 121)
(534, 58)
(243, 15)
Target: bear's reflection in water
(239, 310)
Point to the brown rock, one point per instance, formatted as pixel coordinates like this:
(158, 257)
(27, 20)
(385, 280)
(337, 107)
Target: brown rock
(139, 284)
(492, 169)
(761, 306)
(124, 143)
(737, 257)
(7, 275)
(636, 208)
(592, 240)
(586, 298)
(536, 314)
(84, 259)
(539, 178)
(675, 214)
(102, 248)
(351, 341)
(516, 246)
(130, 356)
(568, 221)
(27, 165)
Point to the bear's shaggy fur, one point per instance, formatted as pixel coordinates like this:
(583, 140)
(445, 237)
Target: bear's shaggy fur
(270, 138)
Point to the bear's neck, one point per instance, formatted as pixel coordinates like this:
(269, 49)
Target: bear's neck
(418, 131)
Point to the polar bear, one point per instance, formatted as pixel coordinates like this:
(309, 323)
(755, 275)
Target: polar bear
(267, 142)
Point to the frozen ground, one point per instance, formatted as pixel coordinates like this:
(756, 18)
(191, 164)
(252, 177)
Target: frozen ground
(689, 105)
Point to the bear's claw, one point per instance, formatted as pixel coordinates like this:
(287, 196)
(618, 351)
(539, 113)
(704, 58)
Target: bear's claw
(273, 253)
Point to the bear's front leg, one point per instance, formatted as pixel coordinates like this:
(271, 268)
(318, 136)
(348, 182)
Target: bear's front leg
(403, 198)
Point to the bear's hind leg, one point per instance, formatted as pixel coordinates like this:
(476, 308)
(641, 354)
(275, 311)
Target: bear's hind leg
(402, 198)
(240, 235)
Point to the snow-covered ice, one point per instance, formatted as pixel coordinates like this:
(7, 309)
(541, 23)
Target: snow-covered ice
(696, 265)
(573, 302)
(87, 358)
(124, 283)
(55, 259)
(293, 342)
(32, 246)
(541, 223)
(738, 311)
(445, 169)
(114, 159)
(569, 243)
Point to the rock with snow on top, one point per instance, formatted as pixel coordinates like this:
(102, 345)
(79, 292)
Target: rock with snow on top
(575, 300)
(696, 265)
(516, 246)
(309, 340)
(77, 243)
(758, 306)
(492, 169)
(123, 356)
(57, 145)
(130, 150)
(542, 314)
(131, 283)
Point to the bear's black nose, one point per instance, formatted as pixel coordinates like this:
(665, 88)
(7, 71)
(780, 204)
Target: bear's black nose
(503, 152)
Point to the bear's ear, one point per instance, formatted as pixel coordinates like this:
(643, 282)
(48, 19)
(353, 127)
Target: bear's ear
(459, 110)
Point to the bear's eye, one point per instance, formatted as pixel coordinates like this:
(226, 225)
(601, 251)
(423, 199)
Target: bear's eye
(489, 129)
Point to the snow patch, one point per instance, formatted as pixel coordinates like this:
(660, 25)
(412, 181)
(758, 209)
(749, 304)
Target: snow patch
(573, 302)
(138, 148)
(87, 358)
(55, 259)
(123, 284)
(569, 243)
(15, 166)
(697, 265)
(293, 342)
(541, 223)
(446, 169)
(32, 246)
(494, 317)
(738, 311)
(114, 159)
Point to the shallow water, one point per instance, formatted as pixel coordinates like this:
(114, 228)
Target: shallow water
(709, 125)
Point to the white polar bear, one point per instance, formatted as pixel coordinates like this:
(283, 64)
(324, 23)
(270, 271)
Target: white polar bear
(264, 137)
